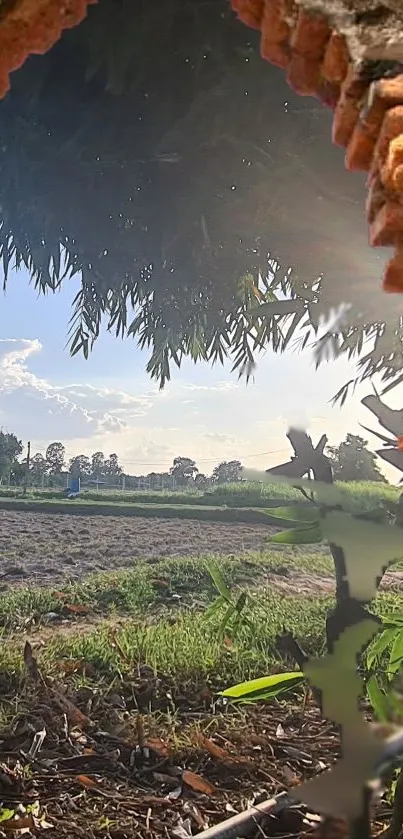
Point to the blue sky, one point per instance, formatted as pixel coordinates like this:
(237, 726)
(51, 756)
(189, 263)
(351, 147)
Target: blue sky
(108, 403)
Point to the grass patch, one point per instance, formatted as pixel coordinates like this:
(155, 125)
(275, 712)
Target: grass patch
(191, 651)
(359, 496)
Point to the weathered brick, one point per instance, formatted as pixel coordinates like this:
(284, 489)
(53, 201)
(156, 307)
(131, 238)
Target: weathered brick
(387, 227)
(393, 277)
(278, 54)
(249, 12)
(360, 150)
(348, 107)
(336, 59)
(382, 95)
(393, 162)
(328, 92)
(275, 30)
(376, 198)
(392, 126)
(310, 35)
(303, 74)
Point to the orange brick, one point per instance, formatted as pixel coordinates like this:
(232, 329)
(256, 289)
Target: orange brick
(310, 35)
(275, 30)
(336, 59)
(348, 107)
(382, 96)
(304, 74)
(398, 180)
(392, 126)
(277, 54)
(387, 227)
(328, 93)
(394, 160)
(376, 198)
(393, 277)
(360, 150)
(249, 12)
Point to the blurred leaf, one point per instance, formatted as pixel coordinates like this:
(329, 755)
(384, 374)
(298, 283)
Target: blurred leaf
(218, 579)
(197, 783)
(377, 699)
(299, 536)
(87, 782)
(294, 515)
(264, 688)
(381, 643)
(396, 653)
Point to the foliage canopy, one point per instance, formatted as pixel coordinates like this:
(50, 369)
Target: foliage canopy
(153, 154)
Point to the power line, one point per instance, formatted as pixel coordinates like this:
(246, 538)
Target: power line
(206, 459)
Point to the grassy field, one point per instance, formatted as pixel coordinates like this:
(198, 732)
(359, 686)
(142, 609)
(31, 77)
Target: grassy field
(221, 503)
(127, 660)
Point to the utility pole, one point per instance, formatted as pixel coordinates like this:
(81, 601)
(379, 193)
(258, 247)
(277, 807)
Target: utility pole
(27, 467)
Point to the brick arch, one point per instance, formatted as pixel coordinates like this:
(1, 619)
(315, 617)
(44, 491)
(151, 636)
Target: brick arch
(353, 62)
(33, 26)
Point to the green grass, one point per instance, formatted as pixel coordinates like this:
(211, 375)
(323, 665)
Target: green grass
(359, 496)
(189, 651)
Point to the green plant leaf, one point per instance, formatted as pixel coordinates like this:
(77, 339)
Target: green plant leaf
(215, 607)
(294, 515)
(263, 688)
(299, 536)
(378, 699)
(227, 617)
(218, 579)
(381, 643)
(396, 653)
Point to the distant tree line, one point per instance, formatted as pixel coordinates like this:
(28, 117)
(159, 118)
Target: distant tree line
(351, 461)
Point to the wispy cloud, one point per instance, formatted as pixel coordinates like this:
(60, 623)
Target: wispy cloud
(76, 410)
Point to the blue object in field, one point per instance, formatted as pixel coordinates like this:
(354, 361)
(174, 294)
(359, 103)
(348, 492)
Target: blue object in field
(74, 488)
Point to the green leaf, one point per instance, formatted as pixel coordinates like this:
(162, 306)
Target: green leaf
(263, 688)
(215, 607)
(6, 814)
(299, 536)
(381, 643)
(396, 653)
(378, 699)
(294, 515)
(218, 579)
(227, 617)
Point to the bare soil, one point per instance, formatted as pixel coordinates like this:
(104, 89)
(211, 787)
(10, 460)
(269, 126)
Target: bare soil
(49, 548)
(46, 548)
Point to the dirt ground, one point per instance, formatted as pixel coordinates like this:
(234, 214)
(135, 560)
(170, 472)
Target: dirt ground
(49, 548)
(46, 548)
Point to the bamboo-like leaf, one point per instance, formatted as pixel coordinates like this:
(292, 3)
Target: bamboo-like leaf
(378, 699)
(294, 515)
(263, 688)
(309, 535)
(218, 579)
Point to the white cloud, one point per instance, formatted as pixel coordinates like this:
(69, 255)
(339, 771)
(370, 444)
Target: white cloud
(148, 428)
(67, 411)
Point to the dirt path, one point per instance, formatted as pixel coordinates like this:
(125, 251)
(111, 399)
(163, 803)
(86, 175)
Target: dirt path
(292, 582)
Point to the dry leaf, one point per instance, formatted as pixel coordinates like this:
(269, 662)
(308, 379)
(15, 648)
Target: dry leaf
(197, 783)
(85, 781)
(158, 747)
(31, 665)
(219, 753)
(76, 609)
(69, 666)
(73, 714)
(24, 823)
(59, 595)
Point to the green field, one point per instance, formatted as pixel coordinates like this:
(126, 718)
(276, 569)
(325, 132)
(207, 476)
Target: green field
(129, 656)
(221, 503)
